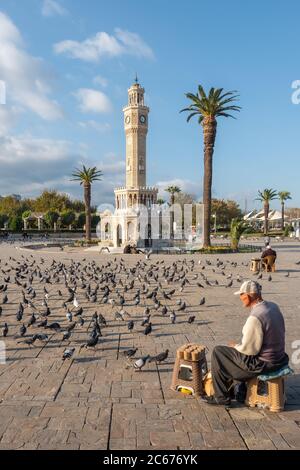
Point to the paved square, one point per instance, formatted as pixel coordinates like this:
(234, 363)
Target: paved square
(94, 400)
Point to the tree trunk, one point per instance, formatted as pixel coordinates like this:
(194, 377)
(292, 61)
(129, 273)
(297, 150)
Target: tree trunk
(209, 131)
(172, 217)
(87, 202)
(282, 215)
(266, 214)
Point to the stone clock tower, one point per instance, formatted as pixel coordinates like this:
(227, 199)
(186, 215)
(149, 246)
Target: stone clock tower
(136, 129)
(124, 224)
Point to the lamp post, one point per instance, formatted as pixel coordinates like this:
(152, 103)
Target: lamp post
(215, 224)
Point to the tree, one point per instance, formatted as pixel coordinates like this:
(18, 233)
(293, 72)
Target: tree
(67, 218)
(292, 212)
(266, 196)
(52, 200)
(208, 107)
(3, 219)
(160, 201)
(15, 223)
(11, 206)
(86, 177)
(283, 196)
(51, 217)
(95, 220)
(80, 220)
(237, 228)
(225, 211)
(172, 190)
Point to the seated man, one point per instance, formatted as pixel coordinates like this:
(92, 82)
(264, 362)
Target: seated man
(268, 252)
(262, 349)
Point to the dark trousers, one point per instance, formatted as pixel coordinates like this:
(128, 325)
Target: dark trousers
(228, 364)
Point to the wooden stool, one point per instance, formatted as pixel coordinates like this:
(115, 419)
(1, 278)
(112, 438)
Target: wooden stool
(266, 394)
(189, 370)
(255, 264)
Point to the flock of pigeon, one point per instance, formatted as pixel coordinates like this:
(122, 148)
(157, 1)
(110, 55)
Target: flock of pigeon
(31, 285)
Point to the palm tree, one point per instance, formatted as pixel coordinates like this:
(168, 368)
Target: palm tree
(266, 196)
(237, 228)
(283, 196)
(172, 190)
(209, 107)
(87, 176)
(160, 201)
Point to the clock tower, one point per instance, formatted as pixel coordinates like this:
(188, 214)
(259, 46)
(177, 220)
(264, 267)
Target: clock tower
(136, 129)
(125, 225)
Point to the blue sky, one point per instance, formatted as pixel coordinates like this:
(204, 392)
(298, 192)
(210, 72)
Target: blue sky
(67, 65)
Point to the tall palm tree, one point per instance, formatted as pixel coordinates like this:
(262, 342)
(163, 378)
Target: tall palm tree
(209, 107)
(172, 190)
(266, 196)
(283, 196)
(87, 176)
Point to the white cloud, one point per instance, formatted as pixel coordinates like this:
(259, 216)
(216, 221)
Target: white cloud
(186, 186)
(133, 44)
(105, 45)
(99, 80)
(93, 101)
(96, 126)
(53, 8)
(26, 77)
(8, 118)
(30, 165)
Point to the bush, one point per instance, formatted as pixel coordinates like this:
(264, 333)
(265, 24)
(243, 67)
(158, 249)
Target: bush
(16, 223)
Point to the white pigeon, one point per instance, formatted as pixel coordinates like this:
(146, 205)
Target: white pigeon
(75, 303)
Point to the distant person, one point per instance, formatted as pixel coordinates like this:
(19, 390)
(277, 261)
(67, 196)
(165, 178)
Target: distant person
(268, 251)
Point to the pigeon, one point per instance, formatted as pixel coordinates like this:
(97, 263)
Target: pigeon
(5, 330)
(32, 320)
(229, 284)
(130, 325)
(148, 329)
(41, 337)
(140, 363)
(173, 316)
(130, 352)
(191, 319)
(92, 342)
(160, 357)
(202, 301)
(66, 335)
(69, 316)
(182, 307)
(68, 353)
(54, 326)
(23, 330)
(270, 278)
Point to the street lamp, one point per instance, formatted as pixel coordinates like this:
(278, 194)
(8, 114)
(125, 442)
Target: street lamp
(215, 224)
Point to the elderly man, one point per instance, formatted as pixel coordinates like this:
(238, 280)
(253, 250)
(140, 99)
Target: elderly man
(262, 348)
(268, 252)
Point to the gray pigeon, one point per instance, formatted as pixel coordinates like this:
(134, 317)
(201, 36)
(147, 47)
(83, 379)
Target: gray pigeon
(140, 363)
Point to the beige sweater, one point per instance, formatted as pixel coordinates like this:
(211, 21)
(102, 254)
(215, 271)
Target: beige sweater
(252, 338)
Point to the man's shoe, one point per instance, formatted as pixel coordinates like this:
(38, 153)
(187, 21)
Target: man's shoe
(213, 401)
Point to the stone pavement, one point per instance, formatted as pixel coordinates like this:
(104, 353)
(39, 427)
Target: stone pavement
(94, 402)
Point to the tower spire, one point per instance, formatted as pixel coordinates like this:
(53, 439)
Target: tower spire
(136, 78)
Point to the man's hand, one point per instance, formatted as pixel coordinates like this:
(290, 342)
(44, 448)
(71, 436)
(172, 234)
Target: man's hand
(231, 344)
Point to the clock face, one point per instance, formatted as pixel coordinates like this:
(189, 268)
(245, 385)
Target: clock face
(127, 119)
(142, 119)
